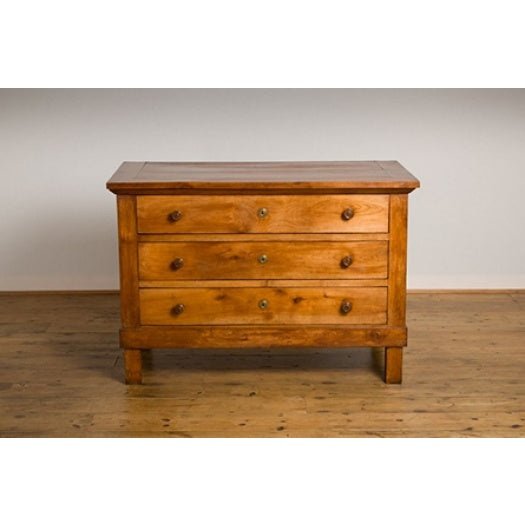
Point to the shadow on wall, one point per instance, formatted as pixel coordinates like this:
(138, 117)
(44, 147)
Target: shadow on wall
(64, 250)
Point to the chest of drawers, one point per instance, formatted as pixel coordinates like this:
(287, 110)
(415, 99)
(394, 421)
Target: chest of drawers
(262, 255)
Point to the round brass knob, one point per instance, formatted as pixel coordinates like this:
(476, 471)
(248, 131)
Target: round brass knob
(346, 261)
(177, 309)
(263, 304)
(175, 216)
(346, 306)
(177, 263)
(263, 258)
(347, 214)
(262, 213)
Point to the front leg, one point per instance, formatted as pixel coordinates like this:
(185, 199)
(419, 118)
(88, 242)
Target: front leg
(133, 366)
(393, 364)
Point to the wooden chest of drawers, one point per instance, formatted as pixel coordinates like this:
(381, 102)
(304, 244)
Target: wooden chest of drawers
(280, 254)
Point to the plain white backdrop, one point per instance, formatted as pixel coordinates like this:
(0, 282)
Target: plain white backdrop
(58, 222)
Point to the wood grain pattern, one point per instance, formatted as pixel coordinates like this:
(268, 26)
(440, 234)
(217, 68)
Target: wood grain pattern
(62, 376)
(283, 260)
(286, 214)
(393, 364)
(397, 260)
(128, 260)
(132, 366)
(198, 223)
(127, 171)
(129, 281)
(267, 237)
(243, 283)
(240, 306)
(180, 177)
(268, 336)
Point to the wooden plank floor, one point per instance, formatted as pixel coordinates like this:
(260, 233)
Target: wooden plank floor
(464, 375)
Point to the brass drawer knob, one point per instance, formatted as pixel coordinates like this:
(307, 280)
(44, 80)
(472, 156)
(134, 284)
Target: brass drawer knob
(346, 306)
(177, 263)
(346, 261)
(263, 304)
(263, 258)
(262, 213)
(347, 214)
(175, 216)
(177, 309)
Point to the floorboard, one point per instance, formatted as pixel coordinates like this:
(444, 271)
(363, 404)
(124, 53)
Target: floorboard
(61, 376)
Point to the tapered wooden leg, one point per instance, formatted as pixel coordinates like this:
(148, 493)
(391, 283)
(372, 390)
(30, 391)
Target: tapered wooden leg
(393, 364)
(133, 366)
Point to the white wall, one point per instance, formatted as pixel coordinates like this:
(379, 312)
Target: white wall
(58, 148)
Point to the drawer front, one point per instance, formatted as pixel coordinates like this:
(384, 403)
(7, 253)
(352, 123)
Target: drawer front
(164, 261)
(263, 306)
(263, 214)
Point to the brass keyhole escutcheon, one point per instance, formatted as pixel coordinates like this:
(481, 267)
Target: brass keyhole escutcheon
(263, 304)
(347, 261)
(262, 213)
(175, 216)
(347, 214)
(346, 306)
(263, 258)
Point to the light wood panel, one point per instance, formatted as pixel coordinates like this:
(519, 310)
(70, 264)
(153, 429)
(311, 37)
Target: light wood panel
(397, 269)
(303, 283)
(258, 336)
(128, 259)
(263, 260)
(242, 214)
(237, 237)
(264, 306)
(279, 177)
(132, 366)
(61, 376)
(393, 364)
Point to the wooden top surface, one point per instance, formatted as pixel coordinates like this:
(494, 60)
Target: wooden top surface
(164, 177)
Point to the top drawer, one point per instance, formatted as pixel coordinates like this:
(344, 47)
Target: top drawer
(263, 214)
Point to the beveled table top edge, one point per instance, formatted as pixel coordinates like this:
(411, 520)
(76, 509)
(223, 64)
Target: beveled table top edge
(267, 177)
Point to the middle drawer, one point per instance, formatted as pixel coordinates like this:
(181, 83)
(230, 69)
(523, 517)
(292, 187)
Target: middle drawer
(165, 261)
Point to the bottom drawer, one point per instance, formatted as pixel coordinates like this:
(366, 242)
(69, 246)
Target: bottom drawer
(263, 305)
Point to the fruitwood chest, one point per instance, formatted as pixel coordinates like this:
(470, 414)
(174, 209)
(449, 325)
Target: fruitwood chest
(261, 255)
